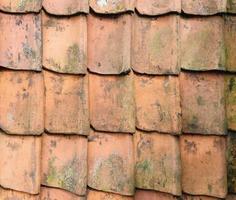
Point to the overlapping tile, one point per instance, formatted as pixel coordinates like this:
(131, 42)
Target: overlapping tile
(20, 6)
(204, 165)
(157, 162)
(158, 103)
(21, 102)
(66, 7)
(111, 163)
(151, 195)
(194, 197)
(66, 103)
(99, 195)
(112, 6)
(20, 163)
(231, 6)
(155, 39)
(157, 7)
(117, 94)
(20, 41)
(231, 197)
(203, 103)
(6, 194)
(109, 43)
(64, 163)
(202, 43)
(65, 44)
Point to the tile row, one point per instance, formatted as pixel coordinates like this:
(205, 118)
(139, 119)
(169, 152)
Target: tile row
(31, 102)
(114, 45)
(119, 163)
(153, 7)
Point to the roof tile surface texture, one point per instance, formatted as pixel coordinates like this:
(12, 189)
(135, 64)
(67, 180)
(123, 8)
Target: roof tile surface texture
(117, 100)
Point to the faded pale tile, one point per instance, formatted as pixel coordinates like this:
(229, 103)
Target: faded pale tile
(158, 103)
(21, 102)
(65, 44)
(202, 43)
(157, 7)
(204, 165)
(203, 103)
(111, 162)
(203, 7)
(99, 195)
(154, 40)
(58, 194)
(112, 6)
(20, 163)
(20, 6)
(66, 103)
(157, 162)
(6, 194)
(20, 41)
(64, 163)
(109, 44)
(231, 6)
(151, 195)
(112, 106)
(66, 7)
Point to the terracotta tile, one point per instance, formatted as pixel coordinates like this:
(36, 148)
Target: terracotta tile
(69, 34)
(190, 197)
(111, 163)
(231, 157)
(21, 102)
(155, 39)
(112, 106)
(204, 165)
(230, 37)
(157, 7)
(58, 194)
(151, 195)
(20, 163)
(231, 197)
(66, 103)
(158, 103)
(19, 6)
(231, 101)
(202, 43)
(109, 41)
(112, 6)
(231, 6)
(20, 41)
(65, 169)
(157, 162)
(97, 195)
(203, 93)
(203, 7)
(66, 7)
(14, 195)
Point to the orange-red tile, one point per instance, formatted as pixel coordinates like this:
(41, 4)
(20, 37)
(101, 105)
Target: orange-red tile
(112, 6)
(20, 163)
(154, 40)
(151, 195)
(64, 163)
(111, 162)
(158, 103)
(203, 103)
(20, 41)
(19, 6)
(204, 165)
(190, 197)
(21, 102)
(157, 7)
(112, 106)
(66, 103)
(203, 7)
(58, 194)
(157, 162)
(109, 44)
(202, 43)
(230, 37)
(14, 195)
(99, 195)
(66, 7)
(65, 44)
